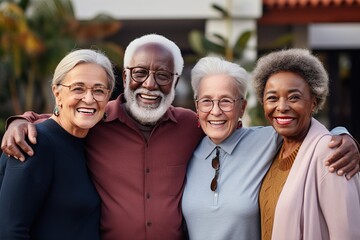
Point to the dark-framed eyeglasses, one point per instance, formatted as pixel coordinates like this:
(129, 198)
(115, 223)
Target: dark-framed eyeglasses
(215, 163)
(79, 90)
(225, 104)
(140, 74)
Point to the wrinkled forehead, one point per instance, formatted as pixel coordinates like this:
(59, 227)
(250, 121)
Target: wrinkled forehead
(153, 56)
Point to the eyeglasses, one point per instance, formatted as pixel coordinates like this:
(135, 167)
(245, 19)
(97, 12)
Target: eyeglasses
(216, 165)
(140, 74)
(225, 104)
(78, 91)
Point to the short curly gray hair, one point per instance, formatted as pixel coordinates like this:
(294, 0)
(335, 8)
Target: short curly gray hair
(298, 61)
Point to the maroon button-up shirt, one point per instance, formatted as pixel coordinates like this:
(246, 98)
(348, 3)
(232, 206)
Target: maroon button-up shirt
(141, 181)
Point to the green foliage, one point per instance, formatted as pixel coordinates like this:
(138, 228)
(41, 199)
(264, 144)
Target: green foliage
(203, 46)
(33, 42)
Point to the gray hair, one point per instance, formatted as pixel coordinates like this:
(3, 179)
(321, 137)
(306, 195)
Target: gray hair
(208, 66)
(298, 61)
(77, 57)
(156, 39)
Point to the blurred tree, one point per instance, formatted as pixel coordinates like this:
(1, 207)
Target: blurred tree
(204, 46)
(34, 36)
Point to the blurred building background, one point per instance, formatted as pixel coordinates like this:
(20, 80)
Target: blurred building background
(240, 30)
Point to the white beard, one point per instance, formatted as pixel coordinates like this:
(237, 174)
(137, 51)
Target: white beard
(147, 115)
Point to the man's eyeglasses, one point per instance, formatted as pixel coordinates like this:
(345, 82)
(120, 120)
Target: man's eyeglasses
(225, 104)
(78, 91)
(140, 74)
(216, 165)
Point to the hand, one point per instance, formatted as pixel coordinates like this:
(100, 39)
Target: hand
(14, 139)
(346, 158)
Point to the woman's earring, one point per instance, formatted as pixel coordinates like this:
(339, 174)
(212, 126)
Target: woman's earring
(198, 121)
(104, 117)
(56, 111)
(239, 125)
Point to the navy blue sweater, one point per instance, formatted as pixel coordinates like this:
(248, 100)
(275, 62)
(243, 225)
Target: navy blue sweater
(50, 195)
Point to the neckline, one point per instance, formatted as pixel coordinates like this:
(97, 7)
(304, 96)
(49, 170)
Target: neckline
(287, 162)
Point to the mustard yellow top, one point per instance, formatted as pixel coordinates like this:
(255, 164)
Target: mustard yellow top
(271, 188)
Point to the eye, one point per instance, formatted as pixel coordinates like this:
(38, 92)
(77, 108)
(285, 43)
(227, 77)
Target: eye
(140, 72)
(226, 100)
(77, 88)
(294, 98)
(163, 75)
(99, 90)
(271, 98)
(205, 101)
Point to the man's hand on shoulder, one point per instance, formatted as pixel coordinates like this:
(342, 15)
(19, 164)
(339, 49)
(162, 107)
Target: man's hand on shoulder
(13, 142)
(346, 158)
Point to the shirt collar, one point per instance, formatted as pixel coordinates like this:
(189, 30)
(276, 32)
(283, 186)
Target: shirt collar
(228, 146)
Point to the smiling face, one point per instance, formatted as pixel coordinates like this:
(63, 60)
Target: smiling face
(147, 102)
(77, 116)
(217, 124)
(288, 105)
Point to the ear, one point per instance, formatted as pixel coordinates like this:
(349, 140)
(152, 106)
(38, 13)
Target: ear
(314, 104)
(56, 93)
(124, 78)
(176, 81)
(243, 106)
(196, 108)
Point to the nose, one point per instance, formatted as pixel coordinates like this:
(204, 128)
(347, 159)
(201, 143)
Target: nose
(88, 97)
(150, 82)
(283, 105)
(216, 109)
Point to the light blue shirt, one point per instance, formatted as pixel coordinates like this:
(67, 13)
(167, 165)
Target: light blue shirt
(232, 211)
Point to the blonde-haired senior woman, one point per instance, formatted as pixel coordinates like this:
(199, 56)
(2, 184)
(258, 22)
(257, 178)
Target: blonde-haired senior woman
(51, 195)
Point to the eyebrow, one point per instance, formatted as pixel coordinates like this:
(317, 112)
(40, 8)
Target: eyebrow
(83, 84)
(290, 91)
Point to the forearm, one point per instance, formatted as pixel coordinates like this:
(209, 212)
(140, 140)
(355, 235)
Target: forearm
(28, 116)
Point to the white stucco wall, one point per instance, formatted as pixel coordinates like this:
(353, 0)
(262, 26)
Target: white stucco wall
(335, 36)
(165, 9)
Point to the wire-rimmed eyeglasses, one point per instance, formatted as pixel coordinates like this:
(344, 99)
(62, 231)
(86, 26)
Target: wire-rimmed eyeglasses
(215, 163)
(140, 74)
(225, 104)
(79, 90)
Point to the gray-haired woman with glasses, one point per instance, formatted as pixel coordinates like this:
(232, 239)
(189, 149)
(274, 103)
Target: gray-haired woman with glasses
(220, 199)
(51, 196)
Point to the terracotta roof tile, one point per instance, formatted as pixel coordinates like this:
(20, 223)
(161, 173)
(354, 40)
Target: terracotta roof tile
(314, 3)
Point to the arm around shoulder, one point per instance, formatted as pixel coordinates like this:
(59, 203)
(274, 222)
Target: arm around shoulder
(20, 127)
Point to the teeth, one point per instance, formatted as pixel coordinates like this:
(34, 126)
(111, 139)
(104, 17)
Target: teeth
(149, 97)
(86, 110)
(216, 122)
(284, 120)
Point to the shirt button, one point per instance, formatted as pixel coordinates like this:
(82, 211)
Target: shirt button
(147, 170)
(148, 223)
(148, 195)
